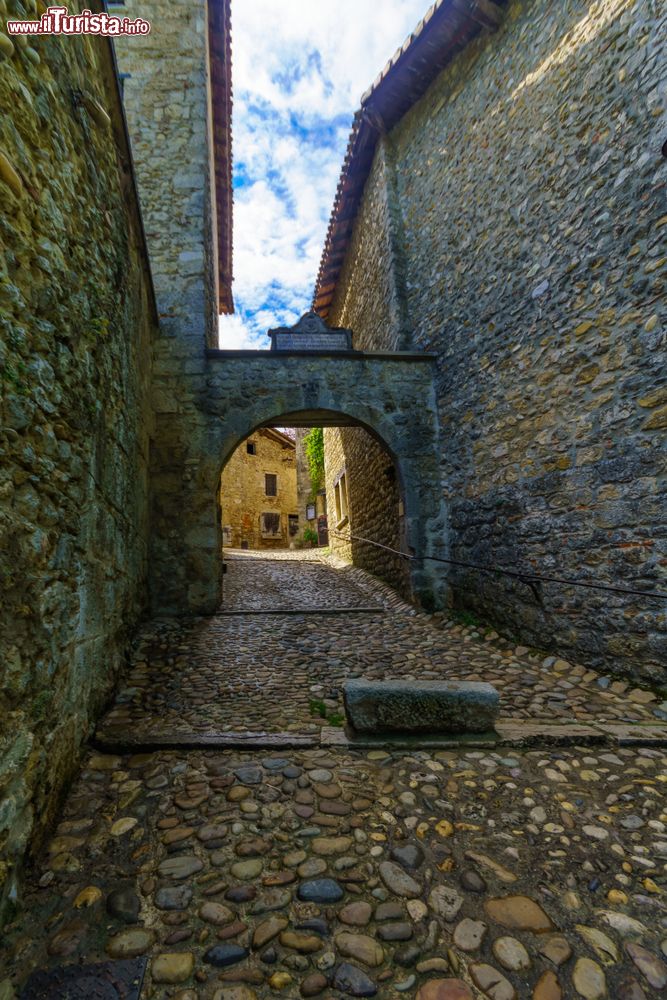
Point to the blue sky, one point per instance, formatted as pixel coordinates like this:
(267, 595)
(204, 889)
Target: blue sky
(299, 70)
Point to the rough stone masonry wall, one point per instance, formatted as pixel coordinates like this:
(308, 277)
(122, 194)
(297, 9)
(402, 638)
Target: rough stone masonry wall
(375, 509)
(75, 329)
(375, 312)
(375, 309)
(532, 189)
(243, 492)
(167, 100)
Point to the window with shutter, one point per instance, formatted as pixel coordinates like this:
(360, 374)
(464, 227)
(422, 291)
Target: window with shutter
(271, 525)
(270, 485)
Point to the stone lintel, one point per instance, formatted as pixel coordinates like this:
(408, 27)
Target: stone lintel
(535, 732)
(519, 734)
(123, 741)
(638, 733)
(420, 706)
(311, 333)
(292, 612)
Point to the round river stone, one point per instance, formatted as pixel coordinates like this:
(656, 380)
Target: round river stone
(320, 890)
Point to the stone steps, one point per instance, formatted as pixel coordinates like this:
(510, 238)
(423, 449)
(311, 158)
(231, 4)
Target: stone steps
(507, 733)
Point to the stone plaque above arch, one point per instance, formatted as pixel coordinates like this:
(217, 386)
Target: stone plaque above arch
(311, 333)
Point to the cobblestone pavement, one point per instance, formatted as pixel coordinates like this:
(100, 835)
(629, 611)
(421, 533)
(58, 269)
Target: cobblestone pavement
(464, 874)
(284, 673)
(443, 876)
(287, 580)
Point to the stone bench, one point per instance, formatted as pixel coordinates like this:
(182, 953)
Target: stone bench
(420, 706)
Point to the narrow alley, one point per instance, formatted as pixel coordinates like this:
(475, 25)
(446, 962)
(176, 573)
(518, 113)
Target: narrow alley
(333, 519)
(308, 866)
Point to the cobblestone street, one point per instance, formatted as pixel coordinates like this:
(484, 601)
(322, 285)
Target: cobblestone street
(458, 874)
(283, 672)
(288, 581)
(446, 875)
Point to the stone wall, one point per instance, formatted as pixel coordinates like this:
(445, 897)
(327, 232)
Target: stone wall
(167, 98)
(243, 492)
(532, 193)
(375, 310)
(76, 321)
(375, 507)
(168, 104)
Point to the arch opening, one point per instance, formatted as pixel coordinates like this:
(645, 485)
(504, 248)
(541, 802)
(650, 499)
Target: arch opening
(270, 500)
(392, 398)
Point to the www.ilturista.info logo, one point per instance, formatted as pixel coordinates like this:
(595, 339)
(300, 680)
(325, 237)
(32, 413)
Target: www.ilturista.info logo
(59, 21)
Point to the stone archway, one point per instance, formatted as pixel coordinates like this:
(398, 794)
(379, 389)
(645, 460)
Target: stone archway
(390, 395)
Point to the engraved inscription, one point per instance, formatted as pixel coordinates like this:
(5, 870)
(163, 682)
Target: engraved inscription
(311, 342)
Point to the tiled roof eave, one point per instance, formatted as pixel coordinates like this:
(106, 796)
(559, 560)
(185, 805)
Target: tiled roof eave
(220, 53)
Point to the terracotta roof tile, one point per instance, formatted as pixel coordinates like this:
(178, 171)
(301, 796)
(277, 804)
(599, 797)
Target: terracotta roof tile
(220, 49)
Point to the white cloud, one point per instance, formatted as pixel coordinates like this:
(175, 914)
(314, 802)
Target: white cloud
(238, 335)
(299, 70)
(340, 47)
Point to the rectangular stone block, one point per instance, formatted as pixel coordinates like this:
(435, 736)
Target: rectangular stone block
(420, 706)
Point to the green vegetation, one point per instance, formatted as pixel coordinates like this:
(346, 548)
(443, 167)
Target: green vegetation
(314, 448)
(41, 704)
(317, 707)
(309, 535)
(467, 618)
(99, 326)
(14, 374)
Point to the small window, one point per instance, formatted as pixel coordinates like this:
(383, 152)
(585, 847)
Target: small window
(251, 448)
(293, 524)
(271, 525)
(340, 496)
(310, 512)
(270, 485)
(227, 535)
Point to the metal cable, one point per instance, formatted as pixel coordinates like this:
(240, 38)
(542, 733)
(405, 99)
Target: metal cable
(527, 577)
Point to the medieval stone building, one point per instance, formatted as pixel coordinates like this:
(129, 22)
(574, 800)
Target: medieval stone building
(258, 493)
(364, 502)
(502, 205)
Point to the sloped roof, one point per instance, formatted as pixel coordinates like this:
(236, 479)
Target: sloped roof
(220, 55)
(284, 439)
(447, 28)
